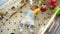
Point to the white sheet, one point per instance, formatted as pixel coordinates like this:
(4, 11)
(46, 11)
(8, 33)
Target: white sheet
(2, 2)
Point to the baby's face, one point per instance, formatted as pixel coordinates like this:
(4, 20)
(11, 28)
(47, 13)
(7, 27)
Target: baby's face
(34, 7)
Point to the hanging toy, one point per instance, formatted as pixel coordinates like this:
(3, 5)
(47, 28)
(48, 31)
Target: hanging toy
(52, 3)
(39, 2)
(43, 8)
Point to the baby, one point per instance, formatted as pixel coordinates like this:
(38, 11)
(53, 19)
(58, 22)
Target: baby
(29, 18)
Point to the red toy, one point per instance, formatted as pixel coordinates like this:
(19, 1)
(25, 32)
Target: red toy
(43, 8)
(52, 3)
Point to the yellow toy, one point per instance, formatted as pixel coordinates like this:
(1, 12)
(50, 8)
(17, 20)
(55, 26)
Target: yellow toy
(36, 11)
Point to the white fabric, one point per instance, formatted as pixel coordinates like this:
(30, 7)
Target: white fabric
(21, 30)
(2, 2)
(28, 20)
(31, 2)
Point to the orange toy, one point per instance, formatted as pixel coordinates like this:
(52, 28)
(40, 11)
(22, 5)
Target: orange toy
(43, 8)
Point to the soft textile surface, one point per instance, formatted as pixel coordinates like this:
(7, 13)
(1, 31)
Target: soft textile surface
(2, 2)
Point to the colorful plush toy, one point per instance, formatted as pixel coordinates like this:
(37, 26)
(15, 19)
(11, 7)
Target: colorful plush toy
(36, 9)
(52, 3)
(43, 8)
(57, 9)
